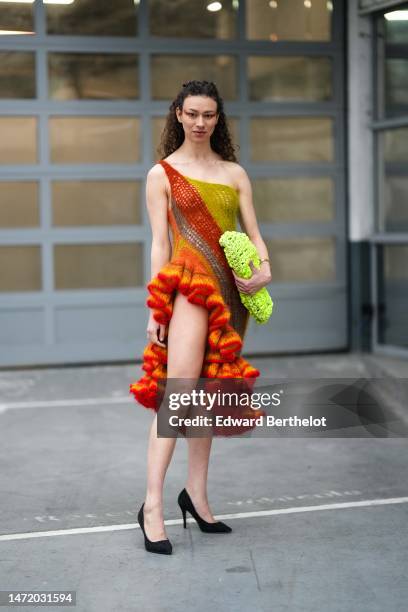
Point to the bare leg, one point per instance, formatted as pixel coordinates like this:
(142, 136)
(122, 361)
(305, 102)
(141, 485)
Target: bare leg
(198, 459)
(159, 454)
(186, 340)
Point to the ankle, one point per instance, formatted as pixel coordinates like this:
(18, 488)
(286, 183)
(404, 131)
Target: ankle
(197, 494)
(153, 505)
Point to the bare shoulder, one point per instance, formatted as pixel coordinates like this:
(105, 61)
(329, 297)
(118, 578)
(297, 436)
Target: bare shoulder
(237, 173)
(156, 177)
(156, 172)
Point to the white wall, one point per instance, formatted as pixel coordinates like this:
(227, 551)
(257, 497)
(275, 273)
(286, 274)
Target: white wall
(360, 146)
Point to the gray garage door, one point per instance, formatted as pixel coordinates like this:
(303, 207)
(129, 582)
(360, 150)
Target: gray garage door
(84, 89)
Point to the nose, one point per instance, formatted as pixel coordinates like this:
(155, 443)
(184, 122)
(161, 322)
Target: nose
(200, 121)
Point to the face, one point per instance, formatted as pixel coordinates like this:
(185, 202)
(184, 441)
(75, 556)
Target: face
(198, 117)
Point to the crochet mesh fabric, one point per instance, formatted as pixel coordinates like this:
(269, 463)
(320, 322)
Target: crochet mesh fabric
(239, 251)
(200, 212)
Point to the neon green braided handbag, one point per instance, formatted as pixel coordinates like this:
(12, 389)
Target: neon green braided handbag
(239, 251)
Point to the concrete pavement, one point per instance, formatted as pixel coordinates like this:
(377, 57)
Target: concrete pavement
(318, 524)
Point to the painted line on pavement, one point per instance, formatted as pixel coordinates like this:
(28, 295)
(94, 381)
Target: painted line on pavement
(239, 515)
(66, 403)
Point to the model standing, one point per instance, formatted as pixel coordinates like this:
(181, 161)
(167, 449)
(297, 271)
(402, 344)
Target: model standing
(197, 321)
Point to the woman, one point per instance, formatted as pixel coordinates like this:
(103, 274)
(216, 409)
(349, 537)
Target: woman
(197, 321)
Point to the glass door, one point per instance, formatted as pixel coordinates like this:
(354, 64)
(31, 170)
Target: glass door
(389, 244)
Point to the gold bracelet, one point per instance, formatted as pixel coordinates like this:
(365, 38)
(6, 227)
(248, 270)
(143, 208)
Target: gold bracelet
(266, 259)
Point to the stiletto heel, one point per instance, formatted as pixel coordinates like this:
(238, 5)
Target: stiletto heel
(163, 547)
(185, 503)
(184, 517)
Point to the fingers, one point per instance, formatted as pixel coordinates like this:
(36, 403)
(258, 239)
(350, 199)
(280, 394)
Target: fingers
(244, 288)
(248, 291)
(242, 284)
(155, 340)
(161, 334)
(157, 335)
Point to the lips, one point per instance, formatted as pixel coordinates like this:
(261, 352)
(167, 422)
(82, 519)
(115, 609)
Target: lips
(196, 132)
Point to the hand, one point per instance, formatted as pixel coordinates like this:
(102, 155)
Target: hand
(156, 332)
(260, 277)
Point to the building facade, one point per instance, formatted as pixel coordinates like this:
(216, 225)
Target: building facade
(378, 174)
(315, 96)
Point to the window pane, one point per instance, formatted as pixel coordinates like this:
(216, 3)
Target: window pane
(97, 266)
(170, 71)
(79, 203)
(17, 74)
(393, 164)
(187, 19)
(395, 204)
(18, 142)
(302, 259)
(93, 18)
(396, 30)
(392, 40)
(279, 79)
(75, 76)
(291, 139)
(81, 140)
(158, 126)
(20, 268)
(291, 200)
(396, 87)
(393, 294)
(19, 204)
(289, 20)
(396, 145)
(16, 19)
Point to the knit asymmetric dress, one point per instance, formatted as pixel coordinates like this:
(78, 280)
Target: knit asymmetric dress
(200, 212)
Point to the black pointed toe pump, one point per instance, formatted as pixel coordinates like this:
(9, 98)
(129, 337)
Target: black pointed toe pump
(185, 503)
(162, 547)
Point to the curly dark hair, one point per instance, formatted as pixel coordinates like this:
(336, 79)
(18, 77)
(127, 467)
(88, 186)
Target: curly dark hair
(172, 135)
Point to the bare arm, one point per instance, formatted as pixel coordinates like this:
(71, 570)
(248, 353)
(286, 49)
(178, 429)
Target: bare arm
(156, 203)
(249, 224)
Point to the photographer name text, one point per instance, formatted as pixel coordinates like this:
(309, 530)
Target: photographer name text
(228, 421)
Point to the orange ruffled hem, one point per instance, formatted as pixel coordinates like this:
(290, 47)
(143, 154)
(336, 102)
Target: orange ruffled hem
(223, 342)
